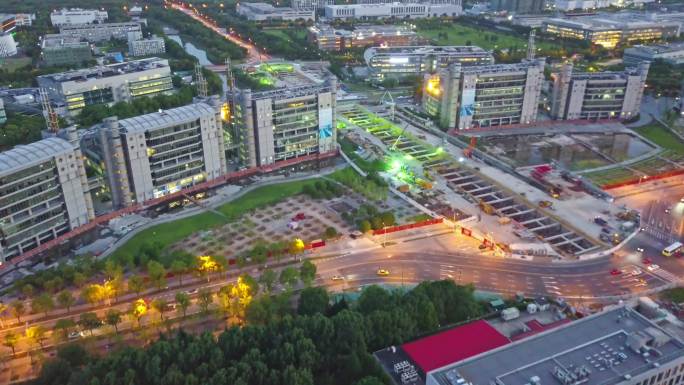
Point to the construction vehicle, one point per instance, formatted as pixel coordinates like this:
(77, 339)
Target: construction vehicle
(404, 188)
(486, 207)
(544, 204)
(425, 185)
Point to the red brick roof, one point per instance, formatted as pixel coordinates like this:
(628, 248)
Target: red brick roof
(454, 345)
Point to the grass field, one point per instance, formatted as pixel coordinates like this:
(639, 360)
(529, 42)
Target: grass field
(166, 234)
(299, 33)
(11, 64)
(458, 34)
(662, 137)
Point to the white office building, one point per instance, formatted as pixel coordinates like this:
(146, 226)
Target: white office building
(144, 47)
(95, 33)
(42, 194)
(264, 12)
(397, 10)
(109, 84)
(77, 16)
(672, 53)
(311, 4)
(8, 47)
(153, 155)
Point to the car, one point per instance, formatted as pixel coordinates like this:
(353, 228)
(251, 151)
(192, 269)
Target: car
(76, 334)
(299, 217)
(635, 272)
(668, 210)
(355, 234)
(383, 272)
(653, 267)
(647, 261)
(640, 249)
(337, 278)
(615, 272)
(192, 291)
(600, 221)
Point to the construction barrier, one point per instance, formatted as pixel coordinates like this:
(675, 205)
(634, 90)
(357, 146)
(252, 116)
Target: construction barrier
(103, 219)
(643, 179)
(409, 226)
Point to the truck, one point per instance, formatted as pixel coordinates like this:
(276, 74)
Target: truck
(510, 313)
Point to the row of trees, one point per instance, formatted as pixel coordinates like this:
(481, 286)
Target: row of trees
(318, 342)
(371, 186)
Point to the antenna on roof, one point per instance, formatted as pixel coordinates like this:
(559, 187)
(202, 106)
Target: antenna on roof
(201, 81)
(51, 118)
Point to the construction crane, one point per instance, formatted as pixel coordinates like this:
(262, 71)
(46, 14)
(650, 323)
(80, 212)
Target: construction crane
(51, 117)
(388, 100)
(201, 81)
(394, 145)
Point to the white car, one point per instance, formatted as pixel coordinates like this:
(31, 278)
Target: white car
(337, 278)
(76, 334)
(640, 249)
(653, 267)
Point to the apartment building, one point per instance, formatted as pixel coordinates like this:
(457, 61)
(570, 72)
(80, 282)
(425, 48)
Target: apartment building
(328, 38)
(153, 155)
(65, 16)
(484, 96)
(60, 50)
(414, 10)
(415, 60)
(96, 33)
(73, 90)
(293, 119)
(42, 194)
(144, 47)
(598, 95)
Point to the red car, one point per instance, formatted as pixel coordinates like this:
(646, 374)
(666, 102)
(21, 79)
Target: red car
(615, 272)
(299, 217)
(647, 261)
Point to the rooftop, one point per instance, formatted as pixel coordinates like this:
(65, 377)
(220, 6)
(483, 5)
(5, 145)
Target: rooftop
(110, 70)
(24, 156)
(367, 30)
(58, 41)
(166, 118)
(619, 20)
(600, 349)
(430, 50)
(655, 49)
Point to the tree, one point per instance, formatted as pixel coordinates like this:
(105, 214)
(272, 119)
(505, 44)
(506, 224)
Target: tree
(307, 272)
(374, 298)
(178, 267)
(79, 279)
(66, 299)
(113, 318)
(136, 284)
(42, 303)
(313, 300)
(138, 310)
(330, 232)
(112, 269)
(289, 277)
(204, 299)
(89, 321)
(65, 325)
(91, 293)
(370, 380)
(17, 308)
(11, 340)
(183, 300)
(388, 218)
(36, 334)
(157, 273)
(296, 246)
(28, 290)
(159, 304)
(74, 354)
(364, 226)
(267, 279)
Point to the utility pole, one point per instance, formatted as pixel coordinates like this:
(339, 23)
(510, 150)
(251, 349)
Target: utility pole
(201, 81)
(531, 49)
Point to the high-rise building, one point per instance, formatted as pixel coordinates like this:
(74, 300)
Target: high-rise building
(42, 194)
(77, 16)
(386, 62)
(112, 83)
(153, 155)
(598, 95)
(293, 119)
(60, 50)
(618, 346)
(484, 96)
(96, 33)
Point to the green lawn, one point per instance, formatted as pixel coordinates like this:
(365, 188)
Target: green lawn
(675, 295)
(171, 232)
(300, 34)
(458, 34)
(662, 137)
(11, 64)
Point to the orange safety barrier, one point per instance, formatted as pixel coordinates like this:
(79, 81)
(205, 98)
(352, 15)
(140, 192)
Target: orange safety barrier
(103, 219)
(409, 226)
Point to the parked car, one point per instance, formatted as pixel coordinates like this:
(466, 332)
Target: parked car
(600, 221)
(383, 272)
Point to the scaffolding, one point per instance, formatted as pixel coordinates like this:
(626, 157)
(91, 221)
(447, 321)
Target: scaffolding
(51, 117)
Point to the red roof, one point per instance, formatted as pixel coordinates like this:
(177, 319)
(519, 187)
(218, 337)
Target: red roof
(454, 345)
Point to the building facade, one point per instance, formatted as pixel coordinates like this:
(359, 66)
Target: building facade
(144, 47)
(328, 38)
(385, 62)
(610, 32)
(414, 10)
(484, 96)
(286, 123)
(7, 22)
(8, 47)
(65, 16)
(264, 12)
(24, 19)
(59, 50)
(3, 114)
(112, 83)
(157, 154)
(96, 33)
(518, 6)
(310, 4)
(672, 53)
(598, 95)
(42, 194)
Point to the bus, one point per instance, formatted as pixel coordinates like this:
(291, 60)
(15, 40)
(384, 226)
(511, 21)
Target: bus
(672, 249)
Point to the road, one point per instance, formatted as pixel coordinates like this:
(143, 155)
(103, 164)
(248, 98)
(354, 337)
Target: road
(253, 53)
